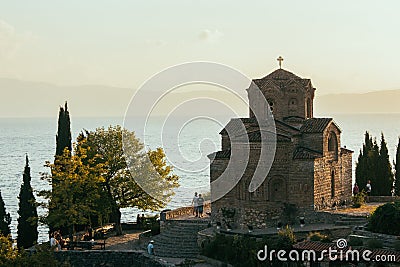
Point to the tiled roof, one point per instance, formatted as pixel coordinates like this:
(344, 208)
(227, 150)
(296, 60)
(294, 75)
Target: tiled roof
(256, 137)
(224, 154)
(281, 74)
(234, 125)
(306, 153)
(345, 150)
(315, 125)
(319, 247)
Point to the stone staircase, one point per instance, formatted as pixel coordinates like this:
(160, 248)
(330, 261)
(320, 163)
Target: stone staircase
(348, 220)
(179, 240)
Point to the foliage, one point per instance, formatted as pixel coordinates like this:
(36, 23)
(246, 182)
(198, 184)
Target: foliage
(373, 164)
(384, 180)
(355, 241)
(374, 243)
(125, 168)
(7, 252)
(41, 256)
(28, 218)
(397, 245)
(385, 219)
(101, 178)
(317, 236)
(397, 171)
(5, 219)
(75, 190)
(359, 199)
(241, 250)
(63, 137)
(286, 238)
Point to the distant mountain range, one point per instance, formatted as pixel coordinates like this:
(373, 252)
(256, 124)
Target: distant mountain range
(37, 99)
(360, 103)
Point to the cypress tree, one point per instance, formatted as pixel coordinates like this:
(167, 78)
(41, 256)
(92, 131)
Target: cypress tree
(397, 170)
(5, 219)
(28, 217)
(384, 171)
(365, 164)
(63, 137)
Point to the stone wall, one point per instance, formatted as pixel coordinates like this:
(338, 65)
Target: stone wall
(109, 258)
(382, 199)
(179, 212)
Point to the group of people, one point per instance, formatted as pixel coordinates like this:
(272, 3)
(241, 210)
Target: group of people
(368, 188)
(56, 240)
(198, 205)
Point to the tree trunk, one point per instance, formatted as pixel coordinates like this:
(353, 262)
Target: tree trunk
(116, 218)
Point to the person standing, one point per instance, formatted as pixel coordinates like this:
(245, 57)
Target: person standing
(356, 190)
(368, 187)
(200, 202)
(195, 203)
(150, 248)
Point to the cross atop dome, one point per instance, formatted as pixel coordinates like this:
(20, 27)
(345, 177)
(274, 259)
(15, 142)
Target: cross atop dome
(280, 59)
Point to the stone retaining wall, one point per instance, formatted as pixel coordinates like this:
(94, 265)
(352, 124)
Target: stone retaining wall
(382, 199)
(179, 212)
(109, 258)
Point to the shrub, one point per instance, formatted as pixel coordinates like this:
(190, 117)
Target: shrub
(354, 241)
(374, 243)
(359, 199)
(242, 250)
(386, 219)
(317, 236)
(397, 245)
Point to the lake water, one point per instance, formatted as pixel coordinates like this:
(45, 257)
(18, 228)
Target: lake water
(186, 146)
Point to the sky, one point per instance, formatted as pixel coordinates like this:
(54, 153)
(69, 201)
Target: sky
(343, 46)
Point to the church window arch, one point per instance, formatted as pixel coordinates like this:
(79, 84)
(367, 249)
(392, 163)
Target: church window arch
(271, 104)
(277, 189)
(333, 144)
(309, 108)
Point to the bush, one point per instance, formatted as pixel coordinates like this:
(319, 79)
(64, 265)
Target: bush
(386, 219)
(356, 242)
(359, 199)
(242, 250)
(317, 236)
(397, 245)
(374, 243)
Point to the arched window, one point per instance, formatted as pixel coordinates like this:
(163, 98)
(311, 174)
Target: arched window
(271, 105)
(309, 108)
(333, 144)
(277, 189)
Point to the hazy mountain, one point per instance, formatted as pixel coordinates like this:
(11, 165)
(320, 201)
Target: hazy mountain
(38, 99)
(372, 102)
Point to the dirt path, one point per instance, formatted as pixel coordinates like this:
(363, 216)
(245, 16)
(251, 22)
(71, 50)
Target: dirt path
(128, 241)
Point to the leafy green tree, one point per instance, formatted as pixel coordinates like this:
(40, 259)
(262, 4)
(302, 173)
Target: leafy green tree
(129, 170)
(397, 170)
(384, 175)
(5, 219)
(75, 192)
(63, 137)
(28, 218)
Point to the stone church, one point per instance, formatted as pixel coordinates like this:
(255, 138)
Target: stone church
(310, 169)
